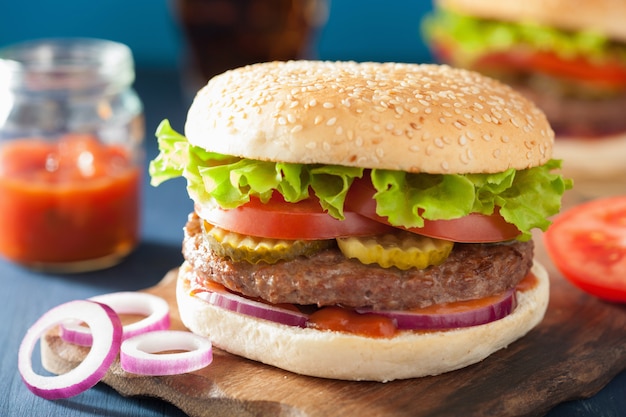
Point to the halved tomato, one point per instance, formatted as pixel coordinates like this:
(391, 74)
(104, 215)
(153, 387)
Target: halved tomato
(588, 245)
(473, 228)
(279, 219)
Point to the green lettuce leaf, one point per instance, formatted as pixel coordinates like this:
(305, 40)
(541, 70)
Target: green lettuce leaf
(475, 37)
(525, 198)
(230, 181)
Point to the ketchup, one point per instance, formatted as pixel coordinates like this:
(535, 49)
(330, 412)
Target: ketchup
(372, 325)
(69, 204)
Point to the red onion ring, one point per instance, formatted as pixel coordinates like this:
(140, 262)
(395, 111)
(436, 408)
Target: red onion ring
(499, 308)
(156, 310)
(107, 336)
(239, 304)
(138, 354)
(407, 320)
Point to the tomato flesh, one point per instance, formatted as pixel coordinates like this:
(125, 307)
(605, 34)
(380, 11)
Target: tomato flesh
(278, 219)
(588, 245)
(609, 74)
(473, 228)
(306, 220)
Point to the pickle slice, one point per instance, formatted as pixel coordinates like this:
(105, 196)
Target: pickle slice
(404, 250)
(252, 249)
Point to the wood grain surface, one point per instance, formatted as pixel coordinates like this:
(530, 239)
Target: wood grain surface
(573, 353)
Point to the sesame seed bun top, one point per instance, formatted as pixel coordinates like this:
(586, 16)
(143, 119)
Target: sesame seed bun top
(409, 117)
(603, 16)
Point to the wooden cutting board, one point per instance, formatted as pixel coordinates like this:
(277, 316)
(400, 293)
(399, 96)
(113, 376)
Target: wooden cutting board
(573, 353)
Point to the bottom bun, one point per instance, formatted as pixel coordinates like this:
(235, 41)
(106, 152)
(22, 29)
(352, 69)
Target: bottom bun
(346, 356)
(597, 166)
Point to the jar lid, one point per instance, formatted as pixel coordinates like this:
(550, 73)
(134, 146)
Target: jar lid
(61, 64)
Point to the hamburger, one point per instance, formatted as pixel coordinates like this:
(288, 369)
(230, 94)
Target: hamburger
(361, 221)
(567, 57)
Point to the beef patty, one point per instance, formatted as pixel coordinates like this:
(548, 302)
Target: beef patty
(329, 278)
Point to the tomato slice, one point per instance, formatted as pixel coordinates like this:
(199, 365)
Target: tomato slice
(587, 244)
(473, 228)
(279, 219)
(610, 74)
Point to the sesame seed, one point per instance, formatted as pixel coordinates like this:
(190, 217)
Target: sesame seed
(313, 103)
(328, 105)
(296, 129)
(282, 121)
(331, 121)
(318, 120)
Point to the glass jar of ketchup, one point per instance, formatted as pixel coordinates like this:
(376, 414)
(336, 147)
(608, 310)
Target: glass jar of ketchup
(71, 154)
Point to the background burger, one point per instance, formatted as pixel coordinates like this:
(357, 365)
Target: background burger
(362, 221)
(567, 57)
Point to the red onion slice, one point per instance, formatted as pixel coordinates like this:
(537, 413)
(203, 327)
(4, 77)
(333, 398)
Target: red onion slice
(139, 354)
(107, 336)
(500, 307)
(156, 310)
(239, 304)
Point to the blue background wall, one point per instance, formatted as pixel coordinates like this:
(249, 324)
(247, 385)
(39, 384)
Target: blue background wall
(363, 30)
